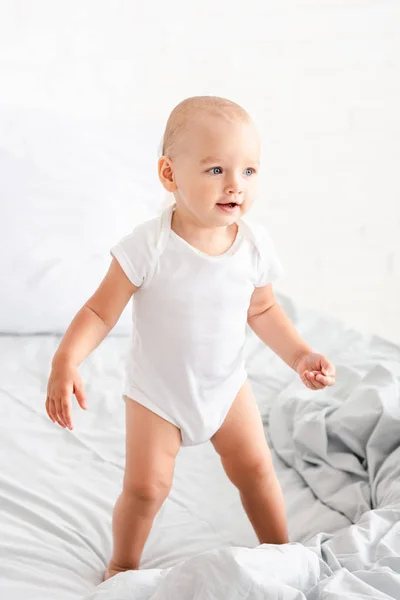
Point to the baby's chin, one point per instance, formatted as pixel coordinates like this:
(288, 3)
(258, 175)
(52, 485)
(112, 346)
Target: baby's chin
(223, 217)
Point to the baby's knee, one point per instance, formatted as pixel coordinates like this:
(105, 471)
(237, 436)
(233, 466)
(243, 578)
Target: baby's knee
(150, 493)
(246, 474)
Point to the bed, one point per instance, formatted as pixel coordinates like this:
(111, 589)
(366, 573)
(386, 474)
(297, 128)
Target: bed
(336, 452)
(85, 184)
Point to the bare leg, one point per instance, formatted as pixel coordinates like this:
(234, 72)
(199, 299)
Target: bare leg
(152, 444)
(247, 461)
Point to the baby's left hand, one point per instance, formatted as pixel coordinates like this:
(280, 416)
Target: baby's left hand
(316, 371)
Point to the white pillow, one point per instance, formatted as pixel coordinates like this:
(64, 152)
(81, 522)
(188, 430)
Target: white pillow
(69, 190)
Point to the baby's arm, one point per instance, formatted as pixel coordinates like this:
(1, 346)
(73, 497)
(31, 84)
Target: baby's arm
(272, 325)
(97, 317)
(89, 327)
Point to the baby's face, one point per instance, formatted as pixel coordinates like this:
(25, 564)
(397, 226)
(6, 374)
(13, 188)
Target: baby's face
(218, 165)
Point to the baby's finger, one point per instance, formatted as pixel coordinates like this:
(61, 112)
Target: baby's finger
(59, 412)
(325, 380)
(310, 386)
(58, 418)
(53, 410)
(310, 381)
(66, 412)
(80, 396)
(329, 370)
(311, 377)
(48, 409)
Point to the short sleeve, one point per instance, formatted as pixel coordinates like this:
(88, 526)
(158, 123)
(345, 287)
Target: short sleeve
(135, 253)
(269, 267)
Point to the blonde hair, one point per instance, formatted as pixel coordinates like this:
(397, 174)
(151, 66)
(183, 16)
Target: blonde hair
(191, 108)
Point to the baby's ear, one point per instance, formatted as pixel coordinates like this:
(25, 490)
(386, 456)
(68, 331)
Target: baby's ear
(166, 174)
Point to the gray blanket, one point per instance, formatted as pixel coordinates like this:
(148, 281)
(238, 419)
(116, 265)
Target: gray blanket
(345, 443)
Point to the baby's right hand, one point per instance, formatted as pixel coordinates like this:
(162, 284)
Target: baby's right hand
(63, 381)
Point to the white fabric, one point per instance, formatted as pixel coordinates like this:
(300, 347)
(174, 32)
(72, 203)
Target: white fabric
(68, 188)
(186, 361)
(58, 488)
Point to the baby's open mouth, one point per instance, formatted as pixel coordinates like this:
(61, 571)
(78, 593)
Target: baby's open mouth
(227, 204)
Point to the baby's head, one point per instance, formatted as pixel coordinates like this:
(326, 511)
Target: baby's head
(210, 156)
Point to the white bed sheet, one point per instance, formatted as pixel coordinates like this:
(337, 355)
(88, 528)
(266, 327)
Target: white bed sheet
(58, 488)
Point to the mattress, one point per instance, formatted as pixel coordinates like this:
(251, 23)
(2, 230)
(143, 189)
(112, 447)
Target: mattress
(58, 487)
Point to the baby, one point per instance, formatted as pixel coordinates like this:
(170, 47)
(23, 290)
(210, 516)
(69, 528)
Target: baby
(199, 272)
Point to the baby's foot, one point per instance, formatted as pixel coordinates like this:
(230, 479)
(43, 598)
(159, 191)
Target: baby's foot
(113, 569)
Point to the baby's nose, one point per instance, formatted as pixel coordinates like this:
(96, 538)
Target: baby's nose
(233, 188)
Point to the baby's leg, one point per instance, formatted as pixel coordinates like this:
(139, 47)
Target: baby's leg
(152, 444)
(247, 461)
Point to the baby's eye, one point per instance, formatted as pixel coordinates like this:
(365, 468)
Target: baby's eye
(251, 170)
(215, 168)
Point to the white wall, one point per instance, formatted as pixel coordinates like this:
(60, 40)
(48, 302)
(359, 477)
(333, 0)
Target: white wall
(320, 78)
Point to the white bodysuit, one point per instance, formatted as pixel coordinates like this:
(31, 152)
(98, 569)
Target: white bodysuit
(186, 360)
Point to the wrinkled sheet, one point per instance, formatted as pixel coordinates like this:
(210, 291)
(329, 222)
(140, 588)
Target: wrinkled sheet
(344, 442)
(58, 488)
